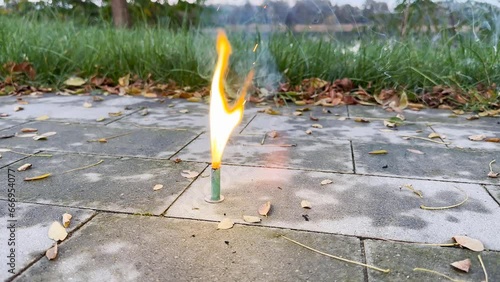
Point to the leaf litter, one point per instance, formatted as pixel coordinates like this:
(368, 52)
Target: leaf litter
(66, 219)
(463, 265)
(224, 224)
(57, 232)
(469, 243)
(251, 219)
(52, 252)
(265, 208)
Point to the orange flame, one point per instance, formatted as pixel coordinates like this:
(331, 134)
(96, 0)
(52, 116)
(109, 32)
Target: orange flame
(223, 118)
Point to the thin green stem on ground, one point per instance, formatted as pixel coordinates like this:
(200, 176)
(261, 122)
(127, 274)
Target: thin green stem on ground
(437, 273)
(336, 257)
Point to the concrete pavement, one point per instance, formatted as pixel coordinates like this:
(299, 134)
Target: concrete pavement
(123, 230)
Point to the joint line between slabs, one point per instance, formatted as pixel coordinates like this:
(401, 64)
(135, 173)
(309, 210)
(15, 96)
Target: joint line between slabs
(248, 123)
(185, 146)
(488, 191)
(363, 258)
(164, 213)
(37, 259)
(352, 157)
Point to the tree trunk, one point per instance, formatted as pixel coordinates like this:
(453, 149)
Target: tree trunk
(120, 14)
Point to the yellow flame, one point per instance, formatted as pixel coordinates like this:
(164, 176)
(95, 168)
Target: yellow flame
(223, 118)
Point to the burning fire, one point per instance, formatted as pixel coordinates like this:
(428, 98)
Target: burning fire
(223, 118)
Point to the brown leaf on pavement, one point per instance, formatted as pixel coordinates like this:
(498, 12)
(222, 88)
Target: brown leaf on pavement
(224, 224)
(480, 137)
(24, 167)
(66, 219)
(52, 252)
(57, 232)
(251, 219)
(378, 152)
(326, 181)
(463, 265)
(469, 243)
(415, 151)
(265, 208)
(305, 204)
(28, 130)
(157, 187)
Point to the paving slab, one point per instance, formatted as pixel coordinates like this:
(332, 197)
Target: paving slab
(422, 116)
(349, 129)
(123, 141)
(452, 164)
(352, 205)
(279, 152)
(161, 249)
(458, 135)
(70, 108)
(117, 184)
(402, 258)
(31, 232)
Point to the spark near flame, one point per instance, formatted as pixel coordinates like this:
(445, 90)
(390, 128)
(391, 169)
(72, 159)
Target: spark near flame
(223, 118)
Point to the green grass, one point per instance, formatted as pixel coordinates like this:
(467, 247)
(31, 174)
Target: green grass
(58, 50)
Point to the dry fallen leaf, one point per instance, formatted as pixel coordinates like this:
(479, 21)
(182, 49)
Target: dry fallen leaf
(317, 125)
(189, 174)
(100, 119)
(271, 111)
(194, 99)
(492, 139)
(389, 124)
(434, 135)
(309, 131)
(273, 134)
(24, 167)
(38, 177)
(463, 265)
(66, 219)
(477, 137)
(297, 113)
(44, 135)
(469, 243)
(378, 152)
(52, 252)
(492, 174)
(326, 181)
(361, 120)
(415, 151)
(305, 204)
(157, 187)
(342, 118)
(458, 112)
(87, 105)
(115, 114)
(75, 81)
(57, 232)
(265, 208)
(144, 112)
(28, 130)
(184, 111)
(18, 108)
(44, 117)
(226, 223)
(251, 219)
